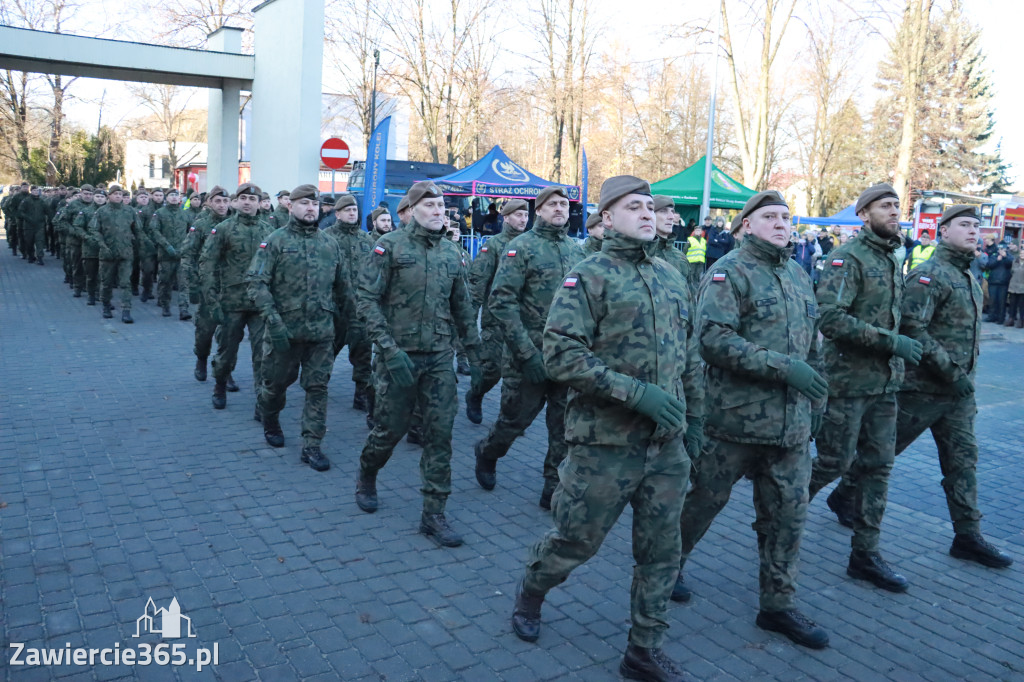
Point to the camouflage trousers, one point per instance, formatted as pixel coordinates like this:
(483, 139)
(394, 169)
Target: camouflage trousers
(147, 270)
(597, 482)
(951, 421)
(780, 477)
(115, 273)
(435, 391)
(169, 272)
(91, 275)
(279, 370)
(490, 352)
(859, 435)
(33, 239)
(206, 329)
(231, 333)
(348, 332)
(521, 402)
(73, 262)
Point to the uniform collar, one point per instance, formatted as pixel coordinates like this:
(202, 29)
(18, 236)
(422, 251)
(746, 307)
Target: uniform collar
(868, 236)
(428, 237)
(549, 231)
(347, 228)
(628, 248)
(297, 227)
(960, 259)
(765, 251)
(507, 231)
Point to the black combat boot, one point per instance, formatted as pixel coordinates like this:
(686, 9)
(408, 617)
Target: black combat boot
(316, 460)
(39, 261)
(361, 401)
(126, 316)
(231, 385)
(272, 430)
(220, 396)
(436, 527)
(474, 407)
(794, 625)
(526, 615)
(108, 312)
(485, 469)
(871, 566)
(166, 310)
(91, 300)
(146, 295)
(681, 592)
(77, 294)
(973, 547)
(463, 367)
(651, 665)
(200, 371)
(415, 436)
(366, 491)
(184, 315)
(842, 507)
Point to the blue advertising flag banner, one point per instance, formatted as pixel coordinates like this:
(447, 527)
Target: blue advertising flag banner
(583, 190)
(376, 167)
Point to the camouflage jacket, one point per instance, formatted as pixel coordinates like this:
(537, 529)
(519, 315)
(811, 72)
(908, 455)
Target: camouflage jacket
(146, 246)
(13, 204)
(591, 245)
(166, 228)
(280, 215)
(66, 214)
(667, 250)
(225, 259)
(530, 271)
(756, 314)
(192, 215)
(619, 318)
(81, 228)
(481, 274)
(32, 211)
(192, 247)
(116, 227)
(942, 309)
(354, 244)
(298, 272)
(412, 291)
(859, 295)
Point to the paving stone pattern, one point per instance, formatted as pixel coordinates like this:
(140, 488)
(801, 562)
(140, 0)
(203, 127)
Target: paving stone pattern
(120, 483)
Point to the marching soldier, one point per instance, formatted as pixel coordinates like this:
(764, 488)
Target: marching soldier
(381, 220)
(167, 230)
(116, 229)
(281, 214)
(530, 271)
(665, 212)
(481, 277)
(32, 217)
(410, 293)
(147, 249)
(13, 227)
(619, 334)
(595, 234)
(216, 210)
(81, 227)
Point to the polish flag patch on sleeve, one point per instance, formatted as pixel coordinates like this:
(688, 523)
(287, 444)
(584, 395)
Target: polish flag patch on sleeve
(192, 229)
(718, 277)
(511, 253)
(924, 280)
(483, 249)
(213, 231)
(263, 245)
(570, 282)
(837, 262)
(379, 250)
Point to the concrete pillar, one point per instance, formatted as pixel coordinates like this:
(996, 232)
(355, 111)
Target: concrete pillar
(222, 116)
(286, 104)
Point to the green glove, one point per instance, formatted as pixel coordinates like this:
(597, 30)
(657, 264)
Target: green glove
(963, 387)
(803, 378)
(171, 251)
(816, 417)
(194, 297)
(909, 349)
(400, 368)
(277, 332)
(216, 313)
(693, 441)
(652, 401)
(533, 370)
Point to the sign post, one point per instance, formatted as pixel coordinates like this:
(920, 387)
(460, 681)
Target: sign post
(334, 154)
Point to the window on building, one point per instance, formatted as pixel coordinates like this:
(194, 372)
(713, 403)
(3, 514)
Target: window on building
(152, 166)
(165, 167)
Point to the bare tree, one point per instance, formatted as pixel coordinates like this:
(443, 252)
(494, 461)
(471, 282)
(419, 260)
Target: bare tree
(187, 23)
(170, 119)
(909, 47)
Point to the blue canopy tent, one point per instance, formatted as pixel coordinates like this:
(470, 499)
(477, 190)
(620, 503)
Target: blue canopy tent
(496, 175)
(846, 217)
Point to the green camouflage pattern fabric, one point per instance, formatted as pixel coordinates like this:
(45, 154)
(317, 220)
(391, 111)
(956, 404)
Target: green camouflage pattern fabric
(619, 318)
(225, 259)
(192, 247)
(413, 290)
(667, 251)
(591, 245)
(859, 295)
(167, 227)
(32, 215)
(86, 276)
(281, 216)
(146, 246)
(280, 369)
(354, 245)
(757, 314)
(942, 309)
(481, 277)
(530, 271)
(115, 227)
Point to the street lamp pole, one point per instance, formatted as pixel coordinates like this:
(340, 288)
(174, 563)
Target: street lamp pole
(373, 100)
(705, 202)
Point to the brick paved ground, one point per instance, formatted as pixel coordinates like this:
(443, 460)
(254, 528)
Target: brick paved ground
(120, 483)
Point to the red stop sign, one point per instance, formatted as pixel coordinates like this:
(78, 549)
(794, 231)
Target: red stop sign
(334, 153)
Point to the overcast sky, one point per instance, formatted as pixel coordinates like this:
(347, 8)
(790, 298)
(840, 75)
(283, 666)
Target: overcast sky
(639, 26)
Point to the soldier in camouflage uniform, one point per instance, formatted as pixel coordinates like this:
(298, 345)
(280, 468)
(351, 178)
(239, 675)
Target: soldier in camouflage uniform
(8, 205)
(13, 227)
(942, 309)
(530, 271)
(355, 244)
(141, 205)
(61, 224)
(195, 208)
(481, 278)
(410, 293)
(595, 235)
(215, 211)
(167, 230)
(300, 284)
(381, 220)
(223, 264)
(619, 335)
(757, 332)
(116, 229)
(665, 212)
(280, 216)
(87, 270)
(32, 218)
(859, 295)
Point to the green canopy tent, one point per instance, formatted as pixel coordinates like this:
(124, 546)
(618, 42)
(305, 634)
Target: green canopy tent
(687, 187)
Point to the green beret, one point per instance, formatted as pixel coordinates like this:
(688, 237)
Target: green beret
(264, 196)
(736, 224)
(305, 192)
(661, 201)
(100, 191)
(217, 191)
(619, 186)
(594, 219)
(377, 212)
(874, 193)
(344, 201)
(513, 205)
(114, 188)
(548, 192)
(957, 211)
(172, 191)
(283, 193)
(403, 204)
(766, 198)
(87, 188)
(423, 189)
(247, 188)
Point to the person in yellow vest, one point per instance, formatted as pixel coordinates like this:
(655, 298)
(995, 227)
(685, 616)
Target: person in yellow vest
(922, 252)
(696, 254)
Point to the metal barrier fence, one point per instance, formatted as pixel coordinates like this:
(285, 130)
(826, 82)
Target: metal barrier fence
(473, 242)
